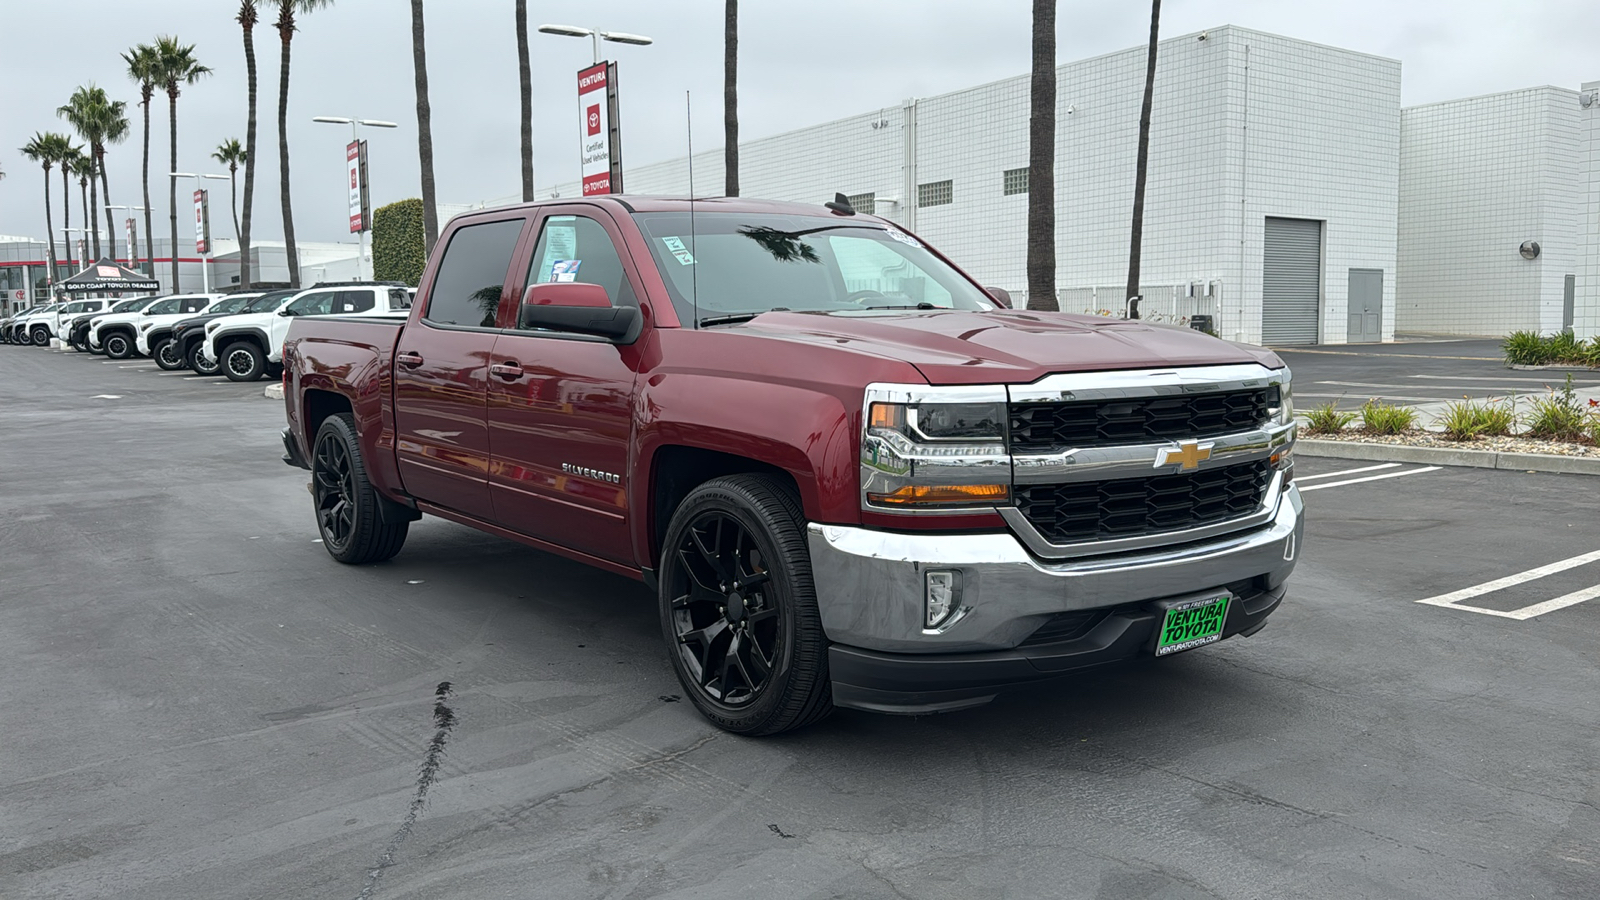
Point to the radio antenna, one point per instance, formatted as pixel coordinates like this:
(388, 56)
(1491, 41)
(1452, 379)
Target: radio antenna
(694, 248)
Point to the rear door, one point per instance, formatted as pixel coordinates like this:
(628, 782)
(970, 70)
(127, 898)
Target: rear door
(441, 367)
(559, 405)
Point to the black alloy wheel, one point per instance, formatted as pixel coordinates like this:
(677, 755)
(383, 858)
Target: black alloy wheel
(118, 345)
(738, 609)
(199, 363)
(352, 529)
(41, 335)
(167, 355)
(20, 335)
(242, 361)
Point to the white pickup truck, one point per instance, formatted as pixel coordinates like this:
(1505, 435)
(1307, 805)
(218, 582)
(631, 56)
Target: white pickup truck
(153, 331)
(250, 345)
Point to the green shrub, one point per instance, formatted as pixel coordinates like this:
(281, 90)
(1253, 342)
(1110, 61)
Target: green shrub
(397, 242)
(1526, 348)
(1326, 419)
(1559, 417)
(1382, 418)
(1467, 420)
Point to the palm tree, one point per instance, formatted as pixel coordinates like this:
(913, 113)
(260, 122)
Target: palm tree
(68, 156)
(247, 19)
(419, 63)
(1137, 241)
(287, 10)
(114, 131)
(83, 166)
(42, 151)
(93, 116)
(525, 76)
(232, 155)
(142, 68)
(176, 66)
(730, 98)
(1042, 161)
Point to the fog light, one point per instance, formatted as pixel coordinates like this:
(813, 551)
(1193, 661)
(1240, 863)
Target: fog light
(942, 596)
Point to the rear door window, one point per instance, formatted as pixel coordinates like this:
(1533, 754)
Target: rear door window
(194, 304)
(354, 301)
(466, 290)
(399, 298)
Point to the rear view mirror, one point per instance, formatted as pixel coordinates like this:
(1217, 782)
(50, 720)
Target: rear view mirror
(1000, 296)
(577, 308)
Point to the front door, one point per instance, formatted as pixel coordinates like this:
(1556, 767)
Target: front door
(1366, 306)
(441, 370)
(560, 405)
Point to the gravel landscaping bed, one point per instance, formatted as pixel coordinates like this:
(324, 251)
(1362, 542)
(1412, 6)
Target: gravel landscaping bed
(1494, 444)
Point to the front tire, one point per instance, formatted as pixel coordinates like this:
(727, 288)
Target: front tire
(41, 335)
(346, 503)
(199, 363)
(117, 345)
(739, 610)
(167, 355)
(243, 361)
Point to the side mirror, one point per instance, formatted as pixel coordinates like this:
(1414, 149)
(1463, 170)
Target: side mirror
(577, 308)
(285, 312)
(1000, 296)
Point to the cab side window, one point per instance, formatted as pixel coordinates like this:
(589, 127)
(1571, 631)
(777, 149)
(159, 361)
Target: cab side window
(466, 289)
(194, 304)
(577, 248)
(353, 301)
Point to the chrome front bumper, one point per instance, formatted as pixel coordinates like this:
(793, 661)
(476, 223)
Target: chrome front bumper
(870, 583)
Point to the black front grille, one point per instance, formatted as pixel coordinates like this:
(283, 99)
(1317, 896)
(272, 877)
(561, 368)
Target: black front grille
(1132, 507)
(1067, 626)
(1109, 423)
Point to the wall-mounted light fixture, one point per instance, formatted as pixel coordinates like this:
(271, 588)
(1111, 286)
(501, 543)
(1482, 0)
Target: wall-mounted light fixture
(1529, 249)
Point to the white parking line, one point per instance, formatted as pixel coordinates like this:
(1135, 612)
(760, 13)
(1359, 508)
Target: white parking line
(1421, 387)
(1300, 478)
(1332, 484)
(1482, 378)
(1453, 599)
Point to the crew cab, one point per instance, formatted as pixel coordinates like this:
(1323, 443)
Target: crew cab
(113, 334)
(190, 333)
(22, 326)
(76, 331)
(248, 346)
(43, 325)
(153, 332)
(851, 475)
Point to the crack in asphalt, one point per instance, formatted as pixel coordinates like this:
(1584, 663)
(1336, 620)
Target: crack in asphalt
(444, 719)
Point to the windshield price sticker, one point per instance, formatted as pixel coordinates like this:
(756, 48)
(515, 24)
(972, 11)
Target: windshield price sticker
(675, 247)
(1192, 624)
(565, 270)
(904, 238)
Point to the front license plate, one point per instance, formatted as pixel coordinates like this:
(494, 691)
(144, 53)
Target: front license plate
(1192, 624)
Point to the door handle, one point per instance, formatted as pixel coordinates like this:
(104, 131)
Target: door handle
(408, 358)
(510, 370)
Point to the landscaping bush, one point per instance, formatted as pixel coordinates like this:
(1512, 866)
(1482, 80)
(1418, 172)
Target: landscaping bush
(1526, 348)
(1467, 420)
(1326, 419)
(1529, 348)
(397, 242)
(1382, 418)
(1559, 417)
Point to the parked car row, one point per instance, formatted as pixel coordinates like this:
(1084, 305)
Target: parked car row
(239, 335)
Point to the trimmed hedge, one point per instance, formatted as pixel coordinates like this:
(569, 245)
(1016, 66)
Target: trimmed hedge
(397, 242)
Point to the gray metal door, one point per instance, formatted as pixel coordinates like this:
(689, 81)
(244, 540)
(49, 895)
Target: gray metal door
(1291, 284)
(1569, 295)
(1366, 306)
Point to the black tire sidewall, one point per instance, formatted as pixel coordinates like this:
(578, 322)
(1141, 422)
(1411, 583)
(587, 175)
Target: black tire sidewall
(157, 353)
(371, 539)
(258, 360)
(126, 343)
(197, 362)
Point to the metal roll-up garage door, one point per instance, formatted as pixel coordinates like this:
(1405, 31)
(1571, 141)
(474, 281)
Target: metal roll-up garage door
(1291, 284)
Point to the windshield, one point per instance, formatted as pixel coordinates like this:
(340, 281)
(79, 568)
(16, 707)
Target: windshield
(736, 265)
(51, 308)
(163, 307)
(269, 302)
(229, 304)
(133, 305)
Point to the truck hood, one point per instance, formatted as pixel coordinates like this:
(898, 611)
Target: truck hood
(1006, 346)
(240, 320)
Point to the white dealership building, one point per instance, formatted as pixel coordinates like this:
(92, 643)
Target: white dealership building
(1290, 197)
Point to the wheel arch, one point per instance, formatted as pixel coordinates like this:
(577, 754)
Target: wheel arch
(677, 469)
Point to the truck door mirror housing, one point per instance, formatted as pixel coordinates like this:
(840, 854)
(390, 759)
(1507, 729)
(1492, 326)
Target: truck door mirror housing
(577, 308)
(1000, 296)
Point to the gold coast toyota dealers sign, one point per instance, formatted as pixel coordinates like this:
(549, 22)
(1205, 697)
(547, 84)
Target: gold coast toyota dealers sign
(598, 129)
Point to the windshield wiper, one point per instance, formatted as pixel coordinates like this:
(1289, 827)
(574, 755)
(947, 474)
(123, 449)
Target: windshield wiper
(736, 318)
(922, 305)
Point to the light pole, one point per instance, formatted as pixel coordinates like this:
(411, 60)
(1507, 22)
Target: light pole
(616, 37)
(133, 248)
(355, 137)
(205, 261)
(601, 171)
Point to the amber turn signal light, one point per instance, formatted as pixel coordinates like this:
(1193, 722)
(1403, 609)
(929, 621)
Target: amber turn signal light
(944, 495)
(886, 415)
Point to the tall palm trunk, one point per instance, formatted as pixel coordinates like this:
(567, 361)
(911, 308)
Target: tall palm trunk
(419, 61)
(49, 232)
(233, 194)
(1136, 246)
(1042, 161)
(83, 194)
(66, 215)
(286, 34)
(105, 198)
(149, 233)
(94, 205)
(525, 78)
(730, 99)
(172, 183)
(248, 8)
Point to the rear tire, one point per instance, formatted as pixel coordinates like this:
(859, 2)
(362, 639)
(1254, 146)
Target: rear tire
(243, 361)
(167, 356)
(346, 504)
(739, 608)
(117, 345)
(198, 363)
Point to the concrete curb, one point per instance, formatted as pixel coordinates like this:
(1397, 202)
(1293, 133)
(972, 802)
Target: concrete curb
(1439, 456)
(274, 391)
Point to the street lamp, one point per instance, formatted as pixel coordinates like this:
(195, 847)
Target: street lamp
(355, 124)
(205, 261)
(149, 239)
(616, 37)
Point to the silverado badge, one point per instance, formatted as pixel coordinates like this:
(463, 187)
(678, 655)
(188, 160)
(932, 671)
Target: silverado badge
(1188, 454)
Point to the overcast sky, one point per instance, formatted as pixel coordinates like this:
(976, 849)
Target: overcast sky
(800, 63)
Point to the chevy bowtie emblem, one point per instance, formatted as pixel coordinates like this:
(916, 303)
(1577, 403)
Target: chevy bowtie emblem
(1188, 455)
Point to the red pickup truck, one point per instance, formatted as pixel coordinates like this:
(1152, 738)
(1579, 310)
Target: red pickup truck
(852, 476)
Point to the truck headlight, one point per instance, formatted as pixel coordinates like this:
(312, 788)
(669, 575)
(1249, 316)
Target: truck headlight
(927, 449)
(1281, 407)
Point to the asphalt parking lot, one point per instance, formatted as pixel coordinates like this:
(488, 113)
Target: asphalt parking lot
(201, 704)
(1415, 373)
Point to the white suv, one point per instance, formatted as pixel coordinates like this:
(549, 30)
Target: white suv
(154, 328)
(248, 345)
